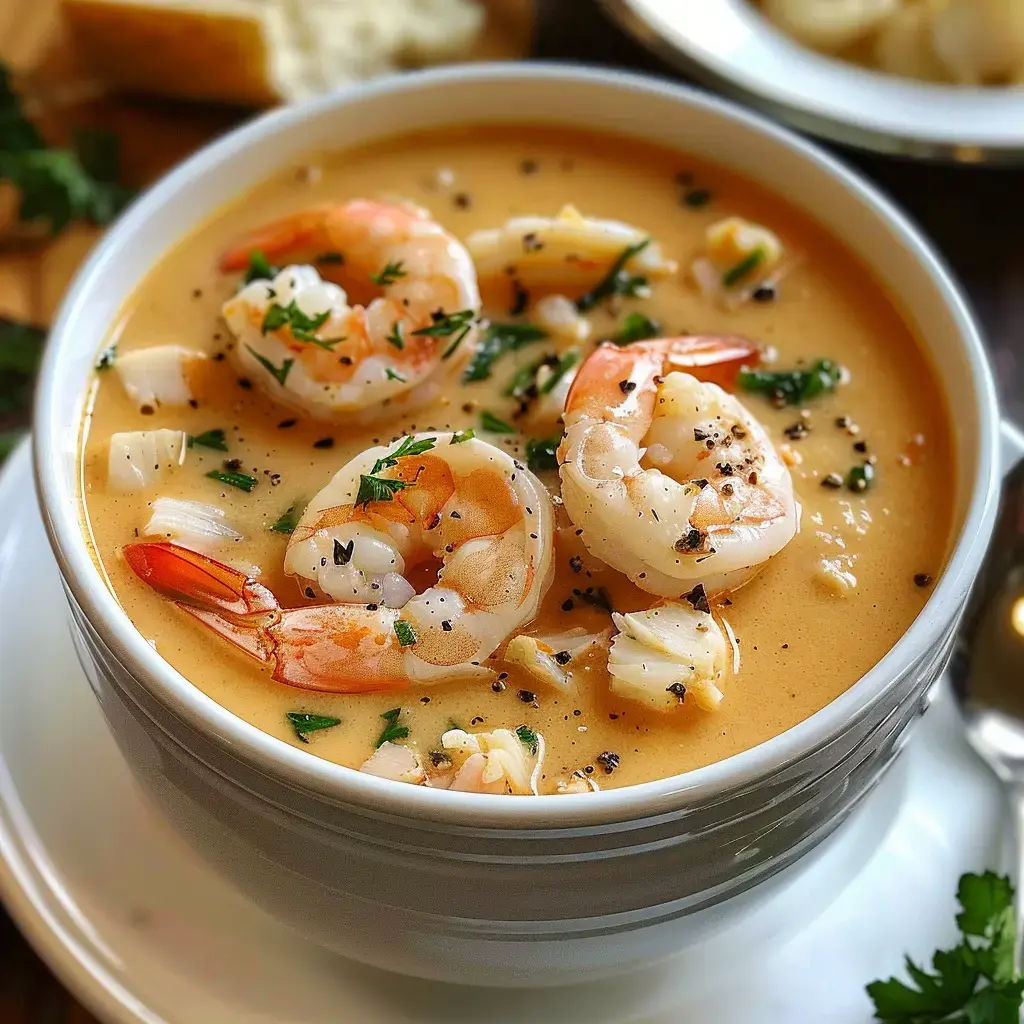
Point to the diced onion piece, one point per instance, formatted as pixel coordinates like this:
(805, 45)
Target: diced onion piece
(668, 645)
(494, 762)
(157, 376)
(559, 316)
(396, 762)
(395, 591)
(191, 524)
(139, 458)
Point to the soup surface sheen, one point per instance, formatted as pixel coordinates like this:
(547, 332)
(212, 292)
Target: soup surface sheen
(802, 640)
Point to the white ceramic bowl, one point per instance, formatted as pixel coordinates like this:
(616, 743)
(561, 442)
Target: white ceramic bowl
(478, 888)
(731, 45)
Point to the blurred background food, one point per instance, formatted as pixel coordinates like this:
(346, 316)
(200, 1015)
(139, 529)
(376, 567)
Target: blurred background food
(964, 42)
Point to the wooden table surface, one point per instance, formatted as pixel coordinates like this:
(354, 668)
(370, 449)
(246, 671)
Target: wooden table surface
(974, 214)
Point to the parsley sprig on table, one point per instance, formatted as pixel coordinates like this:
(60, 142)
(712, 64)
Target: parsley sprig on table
(976, 981)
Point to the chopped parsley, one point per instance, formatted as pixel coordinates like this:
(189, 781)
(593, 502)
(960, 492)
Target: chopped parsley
(395, 337)
(343, 552)
(791, 387)
(976, 981)
(389, 275)
(497, 340)
(462, 435)
(304, 723)
(242, 481)
(377, 488)
(746, 266)
(618, 281)
(214, 439)
(393, 375)
(392, 730)
(405, 633)
(542, 452)
(559, 370)
(259, 268)
(528, 738)
(288, 519)
(301, 326)
(107, 358)
(279, 373)
(448, 325)
(636, 327)
(524, 380)
(409, 446)
(491, 423)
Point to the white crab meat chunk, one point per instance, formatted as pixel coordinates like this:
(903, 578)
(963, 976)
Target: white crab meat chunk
(501, 761)
(549, 659)
(396, 762)
(158, 376)
(138, 458)
(192, 524)
(664, 655)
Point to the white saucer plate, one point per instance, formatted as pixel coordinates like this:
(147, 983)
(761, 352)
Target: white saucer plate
(731, 46)
(141, 930)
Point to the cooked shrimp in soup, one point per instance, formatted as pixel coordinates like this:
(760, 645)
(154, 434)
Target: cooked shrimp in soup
(517, 462)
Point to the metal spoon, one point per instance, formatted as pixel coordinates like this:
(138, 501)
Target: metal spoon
(987, 667)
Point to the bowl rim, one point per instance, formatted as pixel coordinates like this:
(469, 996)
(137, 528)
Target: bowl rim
(829, 97)
(311, 774)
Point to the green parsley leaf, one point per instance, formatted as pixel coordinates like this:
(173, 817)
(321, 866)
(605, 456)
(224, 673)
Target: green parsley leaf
(950, 992)
(19, 135)
(392, 730)
(617, 281)
(542, 452)
(393, 375)
(560, 369)
(242, 481)
(279, 373)
(304, 723)
(377, 488)
(302, 327)
(389, 275)
(405, 633)
(528, 738)
(743, 269)
(260, 269)
(524, 380)
(395, 337)
(409, 447)
(462, 435)
(636, 327)
(214, 439)
(491, 423)
(791, 387)
(288, 519)
(106, 359)
(499, 339)
(444, 325)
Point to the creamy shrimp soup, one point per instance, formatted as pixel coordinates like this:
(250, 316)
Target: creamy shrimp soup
(516, 461)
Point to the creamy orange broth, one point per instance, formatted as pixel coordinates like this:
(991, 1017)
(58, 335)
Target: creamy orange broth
(801, 644)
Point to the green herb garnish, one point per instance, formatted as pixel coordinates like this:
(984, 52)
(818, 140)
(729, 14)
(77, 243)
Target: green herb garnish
(301, 326)
(491, 423)
(462, 435)
(791, 387)
(528, 738)
(393, 375)
(975, 982)
(214, 439)
(305, 724)
(392, 731)
(343, 552)
(744, 268)
(288, 519)
(378, 488)
(409, 447)
(259, 268)
(449, 325)
(21, 346)
(524, 380)
(279, 373)
(395, 337)
(497, 340)
(636, 327)
(617, 281)
(242, 481)
(542, 452)
(405, 633)
(560, 369)
(389, 275)
(106, 359)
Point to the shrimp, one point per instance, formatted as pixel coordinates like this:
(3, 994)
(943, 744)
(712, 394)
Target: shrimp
(466, 504)
(566, 251)
(670, 478)
(309, 347)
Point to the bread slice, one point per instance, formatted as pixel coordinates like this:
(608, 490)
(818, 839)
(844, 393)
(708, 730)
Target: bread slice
(256, 52)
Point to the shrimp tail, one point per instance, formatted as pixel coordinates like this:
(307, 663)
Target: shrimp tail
(195, 579)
